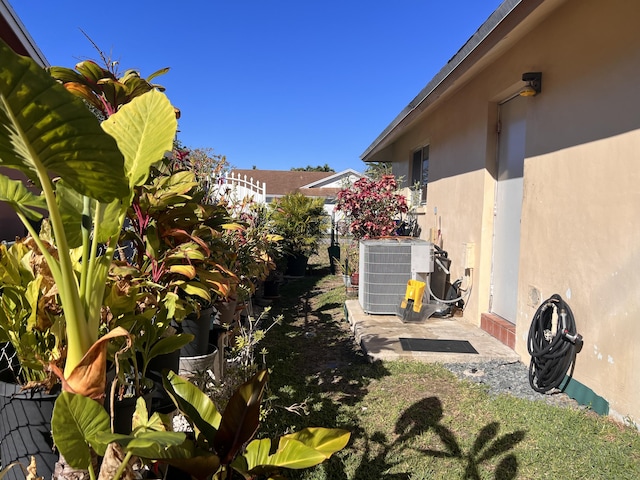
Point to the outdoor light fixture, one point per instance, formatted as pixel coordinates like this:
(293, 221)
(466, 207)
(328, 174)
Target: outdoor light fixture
(534, 84)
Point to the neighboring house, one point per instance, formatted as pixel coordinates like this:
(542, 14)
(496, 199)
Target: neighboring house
(311, 184)
(542, 191)
(14, 34)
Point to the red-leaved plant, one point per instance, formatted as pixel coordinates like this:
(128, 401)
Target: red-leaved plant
(372, 207)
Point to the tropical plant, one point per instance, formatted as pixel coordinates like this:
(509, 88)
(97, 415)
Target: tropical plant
(350, 264)
(300, 221)
(101, 87)
(176, 241)
(30, 317)
(172, 267)
(253, 249)
(222, 443)
(86, 173)
(372, 207)
(206, 165)
(376, 170)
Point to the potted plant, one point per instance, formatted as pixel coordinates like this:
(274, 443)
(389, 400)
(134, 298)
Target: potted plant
(177, 250)
(223, 444)
(300, 221)
(85, 172)
(30, 338)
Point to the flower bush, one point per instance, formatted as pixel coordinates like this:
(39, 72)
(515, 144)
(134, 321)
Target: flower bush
(372, 207)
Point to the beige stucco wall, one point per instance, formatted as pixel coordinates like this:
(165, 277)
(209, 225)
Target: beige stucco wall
(579, 230)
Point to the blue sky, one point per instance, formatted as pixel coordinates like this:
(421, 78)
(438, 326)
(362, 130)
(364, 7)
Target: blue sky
(273, 84)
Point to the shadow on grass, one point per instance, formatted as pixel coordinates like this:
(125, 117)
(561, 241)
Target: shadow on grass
(318, 369)
(427, 413)
(377, 454)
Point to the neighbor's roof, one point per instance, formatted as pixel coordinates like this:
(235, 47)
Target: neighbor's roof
(281, 182)
(492, 38)
(14, 33)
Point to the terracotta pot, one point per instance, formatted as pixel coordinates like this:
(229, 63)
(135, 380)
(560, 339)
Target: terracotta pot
(355, 279)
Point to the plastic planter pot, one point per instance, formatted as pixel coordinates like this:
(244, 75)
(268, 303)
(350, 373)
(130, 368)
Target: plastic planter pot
(199, 327)
(25, 430)
(297, 265)
(195, 366)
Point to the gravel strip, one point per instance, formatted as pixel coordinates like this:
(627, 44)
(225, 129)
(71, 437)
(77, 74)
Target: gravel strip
(509, 378)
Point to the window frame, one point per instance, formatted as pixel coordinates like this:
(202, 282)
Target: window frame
(420, 171)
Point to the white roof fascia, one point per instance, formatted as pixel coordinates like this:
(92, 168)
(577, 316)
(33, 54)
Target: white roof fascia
(334, 177)
(19, 29)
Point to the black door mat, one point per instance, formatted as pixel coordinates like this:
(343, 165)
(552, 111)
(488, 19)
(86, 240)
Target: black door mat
(437, 345)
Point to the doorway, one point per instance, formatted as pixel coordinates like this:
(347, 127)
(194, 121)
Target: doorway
(508, 208)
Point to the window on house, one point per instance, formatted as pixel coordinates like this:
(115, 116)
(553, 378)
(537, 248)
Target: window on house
(420, 171)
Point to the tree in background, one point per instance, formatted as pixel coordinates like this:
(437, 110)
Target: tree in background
(309, 168)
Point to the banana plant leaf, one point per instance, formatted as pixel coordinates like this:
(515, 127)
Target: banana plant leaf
(241, 418)
(194, 404)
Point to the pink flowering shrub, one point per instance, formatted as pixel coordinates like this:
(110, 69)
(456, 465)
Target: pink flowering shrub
(372, 207)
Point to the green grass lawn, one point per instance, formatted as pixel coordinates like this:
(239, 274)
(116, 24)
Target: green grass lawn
(418, 421)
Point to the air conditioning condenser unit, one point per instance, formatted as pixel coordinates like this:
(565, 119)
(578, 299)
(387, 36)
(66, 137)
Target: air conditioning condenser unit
(386, 266)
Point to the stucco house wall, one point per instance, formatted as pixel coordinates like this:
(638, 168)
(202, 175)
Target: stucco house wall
(581, 186)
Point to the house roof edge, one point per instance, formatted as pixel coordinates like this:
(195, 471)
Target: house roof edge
(21, 33)
(449, 69)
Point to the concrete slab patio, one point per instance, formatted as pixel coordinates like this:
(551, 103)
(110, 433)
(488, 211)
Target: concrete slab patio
(379, 336)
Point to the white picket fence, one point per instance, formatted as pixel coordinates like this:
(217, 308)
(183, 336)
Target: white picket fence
(239, 187)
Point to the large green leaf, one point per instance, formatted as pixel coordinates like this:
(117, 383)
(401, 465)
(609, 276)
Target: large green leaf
(70, 204)
(303, 449)
(46, 130)
(144, 129)
(241, 418)
(170, 344)
(75, 421)
(16, 194)
(150, 444)
(93, 72)
(324, 440)
(296, 456)
(194, 404)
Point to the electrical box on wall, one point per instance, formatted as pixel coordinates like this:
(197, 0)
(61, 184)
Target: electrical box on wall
(421, 258)
(469, 253)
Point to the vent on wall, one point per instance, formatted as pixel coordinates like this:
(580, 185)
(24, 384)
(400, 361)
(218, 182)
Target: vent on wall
(385, 269)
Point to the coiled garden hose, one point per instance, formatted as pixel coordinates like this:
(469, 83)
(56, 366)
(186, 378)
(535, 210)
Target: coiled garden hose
(552, 354)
